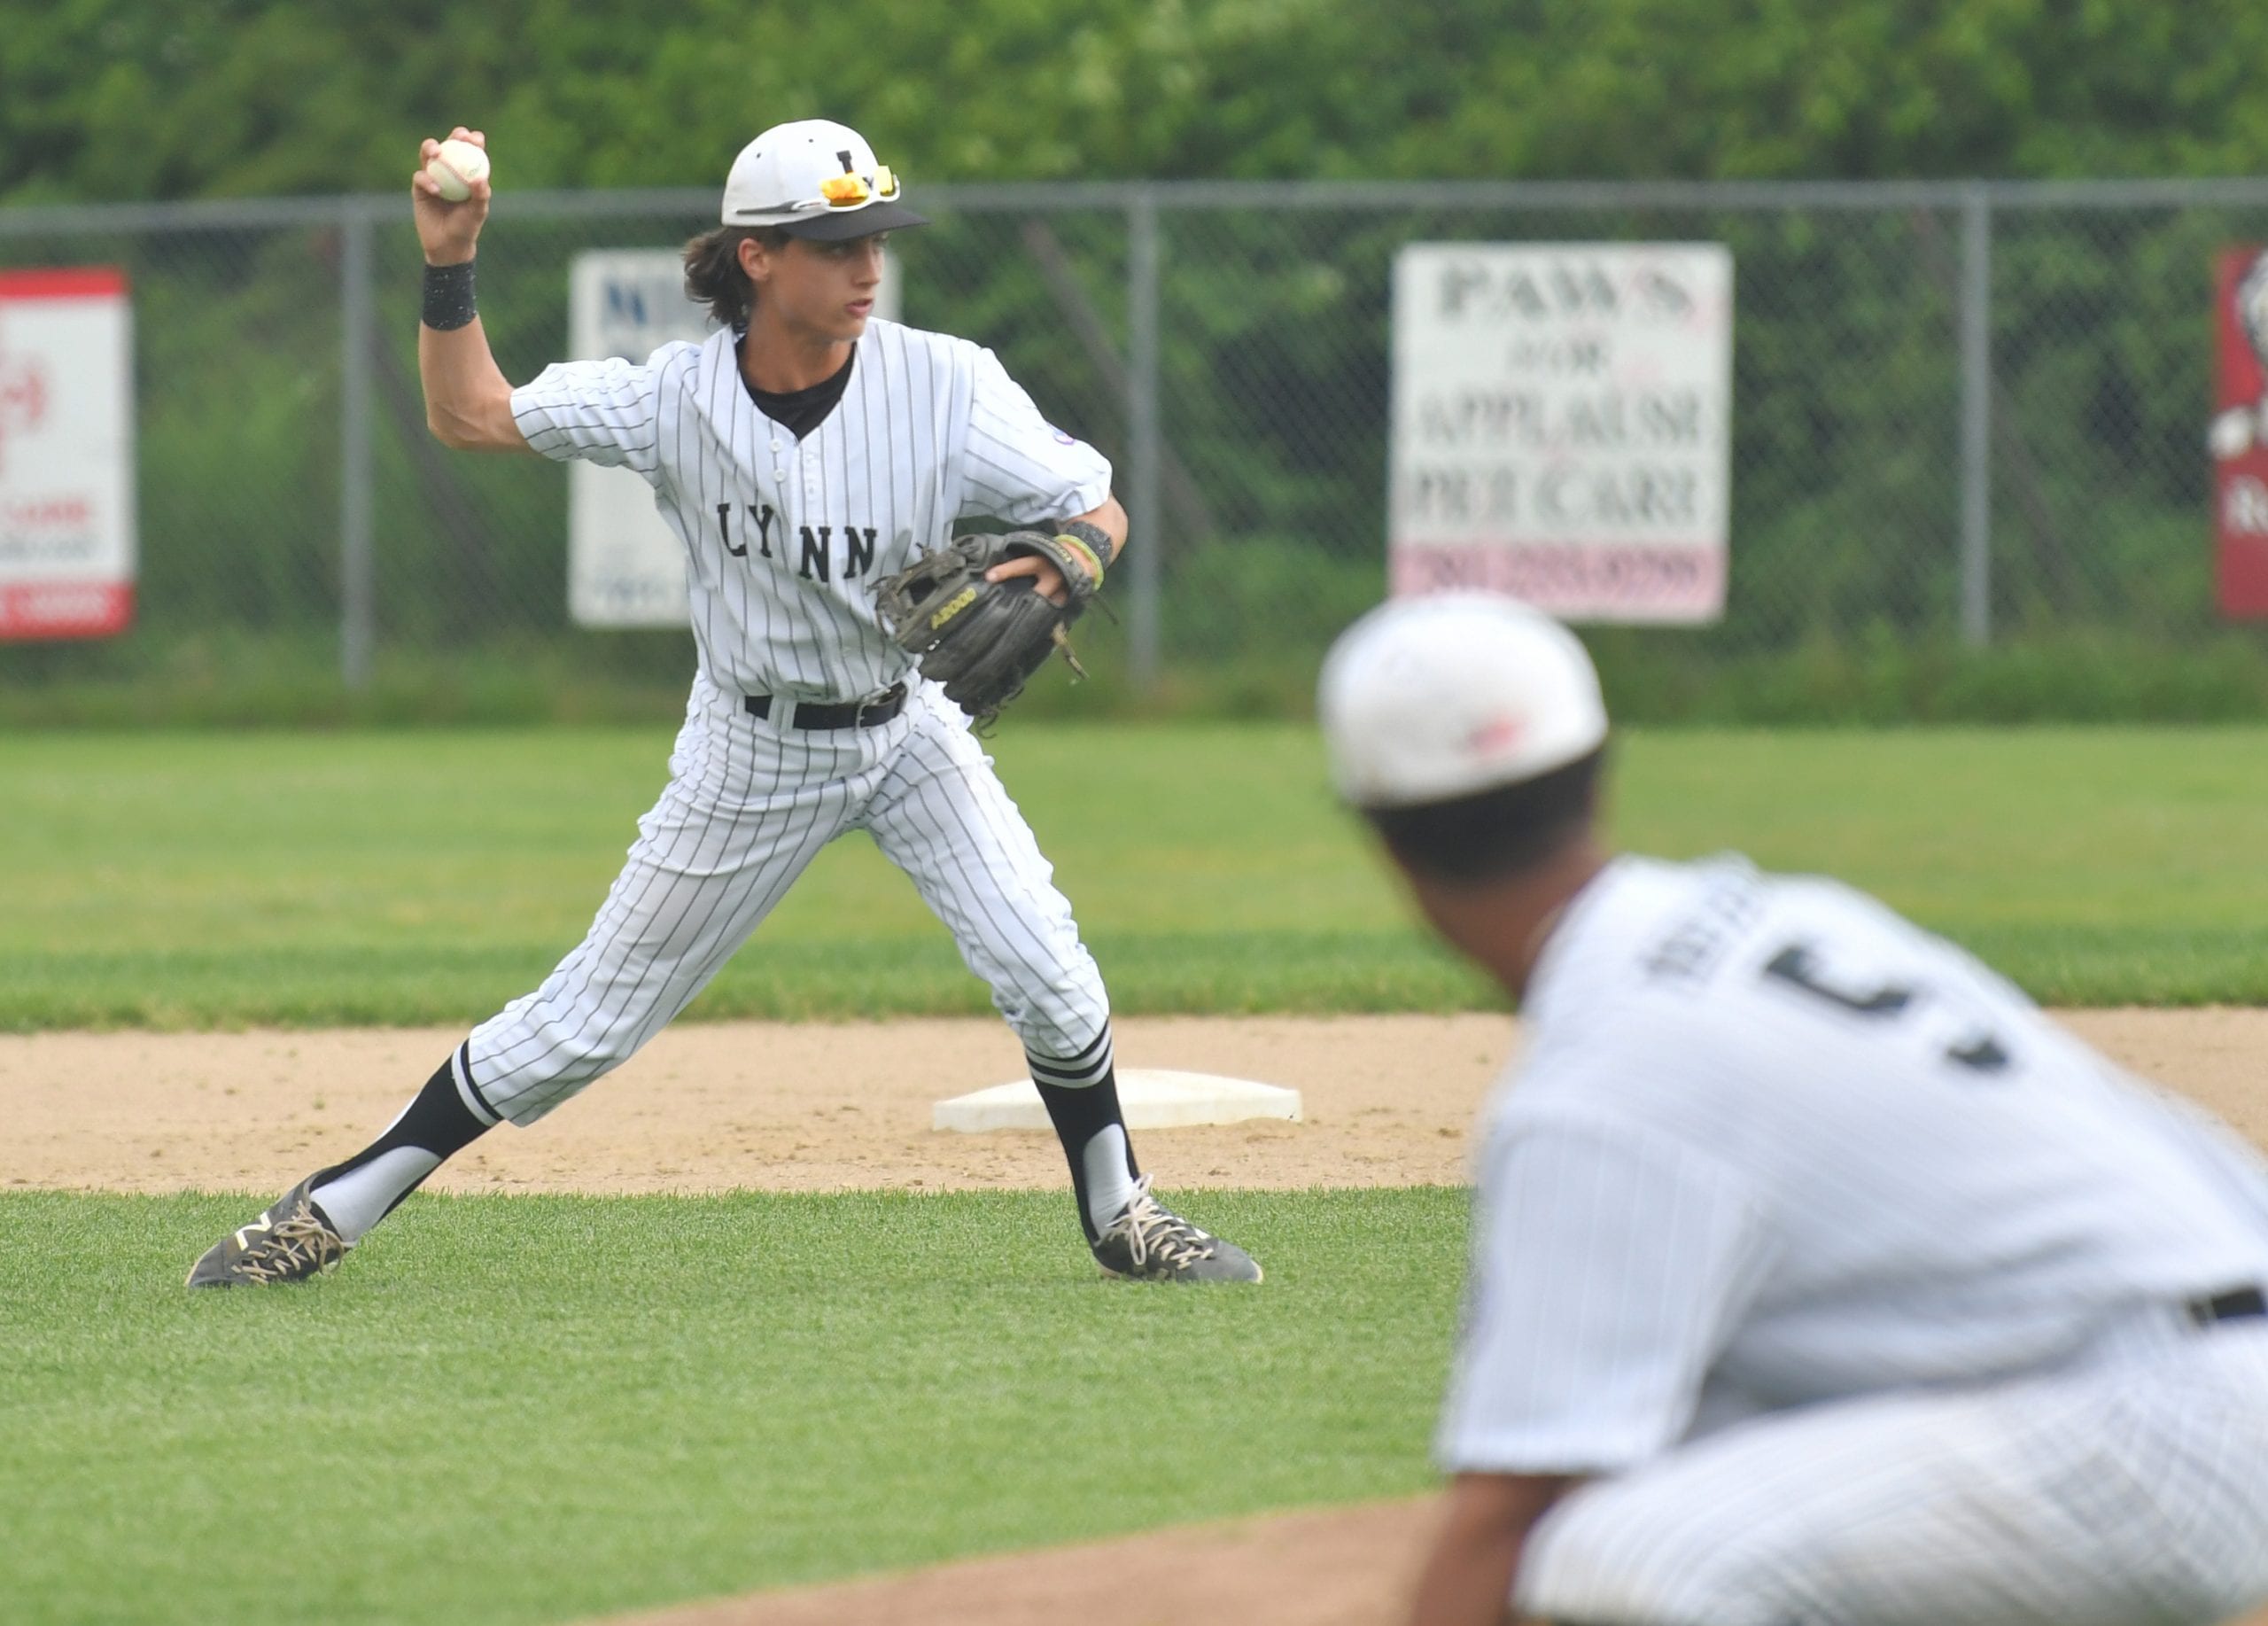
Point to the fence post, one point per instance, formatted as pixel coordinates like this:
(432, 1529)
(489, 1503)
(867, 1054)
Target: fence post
(1146, 445)
(1977, 417)
(358, 589)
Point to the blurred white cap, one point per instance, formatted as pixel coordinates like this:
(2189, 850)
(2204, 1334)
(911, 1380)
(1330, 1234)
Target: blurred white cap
(1429, 699)
(814, 178)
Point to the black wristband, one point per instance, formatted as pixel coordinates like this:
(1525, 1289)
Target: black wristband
(448, 297)
(1093, 535)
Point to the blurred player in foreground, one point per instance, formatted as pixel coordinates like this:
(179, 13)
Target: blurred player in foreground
(1816, 1276)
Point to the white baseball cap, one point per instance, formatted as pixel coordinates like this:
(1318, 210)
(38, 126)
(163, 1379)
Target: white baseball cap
(1432, 698)
(814, 178)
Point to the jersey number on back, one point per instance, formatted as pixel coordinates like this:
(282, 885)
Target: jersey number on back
(1795, 965)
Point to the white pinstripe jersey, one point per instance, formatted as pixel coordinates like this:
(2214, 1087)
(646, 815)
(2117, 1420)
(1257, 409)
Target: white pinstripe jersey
(784, 539)
(1770, 1144)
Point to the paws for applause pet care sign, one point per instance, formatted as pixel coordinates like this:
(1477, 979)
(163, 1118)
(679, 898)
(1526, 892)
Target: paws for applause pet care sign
(1562, 425)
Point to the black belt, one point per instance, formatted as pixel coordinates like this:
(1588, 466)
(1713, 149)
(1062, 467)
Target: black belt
(848, 714)
(2236, 1304)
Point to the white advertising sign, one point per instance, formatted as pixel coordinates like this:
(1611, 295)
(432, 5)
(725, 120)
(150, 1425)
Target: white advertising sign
(625, 566)
(66, 454)
(1562, 425)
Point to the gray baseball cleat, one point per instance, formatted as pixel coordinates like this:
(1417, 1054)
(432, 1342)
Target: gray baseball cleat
(1150, 1243)
(291, 1240)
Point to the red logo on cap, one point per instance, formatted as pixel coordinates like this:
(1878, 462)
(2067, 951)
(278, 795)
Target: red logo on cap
(1498, 736)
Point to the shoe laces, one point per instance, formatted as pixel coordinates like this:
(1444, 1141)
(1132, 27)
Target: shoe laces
(1153, 1232)
(297, 1245)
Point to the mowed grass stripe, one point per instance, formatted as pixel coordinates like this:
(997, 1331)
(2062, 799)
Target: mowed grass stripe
(225, 879)
(534, 1409)
(831, 979)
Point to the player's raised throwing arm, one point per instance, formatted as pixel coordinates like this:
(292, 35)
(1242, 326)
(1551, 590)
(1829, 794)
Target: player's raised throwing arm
(468, 399)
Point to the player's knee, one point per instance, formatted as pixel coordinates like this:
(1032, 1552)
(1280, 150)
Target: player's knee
(591, 1047)
(611, 1048)
(1593, 1572)
(1053, 1026)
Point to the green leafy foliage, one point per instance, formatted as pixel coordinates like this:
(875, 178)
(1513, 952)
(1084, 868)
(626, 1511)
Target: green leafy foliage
(1275, 335)
(119, 98)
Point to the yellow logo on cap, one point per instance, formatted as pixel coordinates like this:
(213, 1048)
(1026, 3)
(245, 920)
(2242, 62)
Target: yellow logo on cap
(850, 190)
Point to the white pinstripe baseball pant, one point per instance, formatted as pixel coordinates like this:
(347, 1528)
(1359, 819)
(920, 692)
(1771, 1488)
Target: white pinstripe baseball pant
(2133, 1490)
(749, 804)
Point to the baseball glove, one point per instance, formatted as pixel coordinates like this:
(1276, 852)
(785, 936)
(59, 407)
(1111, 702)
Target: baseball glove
(984, 640)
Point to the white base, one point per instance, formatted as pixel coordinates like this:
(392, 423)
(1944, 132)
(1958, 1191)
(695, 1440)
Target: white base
(1150, 1098)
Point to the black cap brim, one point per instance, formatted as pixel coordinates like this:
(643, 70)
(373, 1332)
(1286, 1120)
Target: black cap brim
(839, 225)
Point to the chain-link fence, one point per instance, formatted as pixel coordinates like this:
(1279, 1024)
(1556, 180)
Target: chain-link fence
(1963, 414)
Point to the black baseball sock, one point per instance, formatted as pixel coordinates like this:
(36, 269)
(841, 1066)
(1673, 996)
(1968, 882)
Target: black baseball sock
(1081, 1094)
(355, 1196)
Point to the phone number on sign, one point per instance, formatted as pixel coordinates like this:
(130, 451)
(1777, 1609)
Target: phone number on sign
(1637, 579)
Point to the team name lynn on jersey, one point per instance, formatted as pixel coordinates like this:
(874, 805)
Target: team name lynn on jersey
(812, 554)
(785, 534)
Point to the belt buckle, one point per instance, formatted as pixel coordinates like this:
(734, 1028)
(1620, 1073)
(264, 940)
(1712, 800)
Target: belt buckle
(895, 692)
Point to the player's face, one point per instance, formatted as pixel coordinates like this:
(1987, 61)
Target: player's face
(824, 290)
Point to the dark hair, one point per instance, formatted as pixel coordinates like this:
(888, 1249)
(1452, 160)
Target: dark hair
(1495, 833)
(713, 275)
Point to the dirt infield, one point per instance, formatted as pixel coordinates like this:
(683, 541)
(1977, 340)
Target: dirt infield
(787, 1107)
(1331, 1567)
(1335, 1566)
(771, 1105)
(1388, 1102)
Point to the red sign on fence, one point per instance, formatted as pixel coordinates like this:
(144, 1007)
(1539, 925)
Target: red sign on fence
(2240, 432)
(66, 454)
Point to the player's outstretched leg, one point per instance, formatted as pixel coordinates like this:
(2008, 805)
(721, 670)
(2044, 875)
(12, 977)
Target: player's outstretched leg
(310, 1227)
(942, 817)
(1128, 1229)
(712, 858)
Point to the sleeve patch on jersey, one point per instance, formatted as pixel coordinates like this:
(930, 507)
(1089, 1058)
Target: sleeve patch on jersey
(1692, 948)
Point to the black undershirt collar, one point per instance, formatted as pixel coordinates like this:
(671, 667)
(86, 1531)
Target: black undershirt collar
(800, 411)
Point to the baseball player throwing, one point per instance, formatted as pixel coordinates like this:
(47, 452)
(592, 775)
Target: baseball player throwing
(1816, 1276)
(803, 454)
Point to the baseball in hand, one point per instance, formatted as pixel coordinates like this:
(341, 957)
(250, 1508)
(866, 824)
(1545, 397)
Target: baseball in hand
(455, 167)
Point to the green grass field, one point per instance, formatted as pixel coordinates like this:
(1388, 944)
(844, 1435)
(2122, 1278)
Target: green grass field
(218, 879)
(536, 1409)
